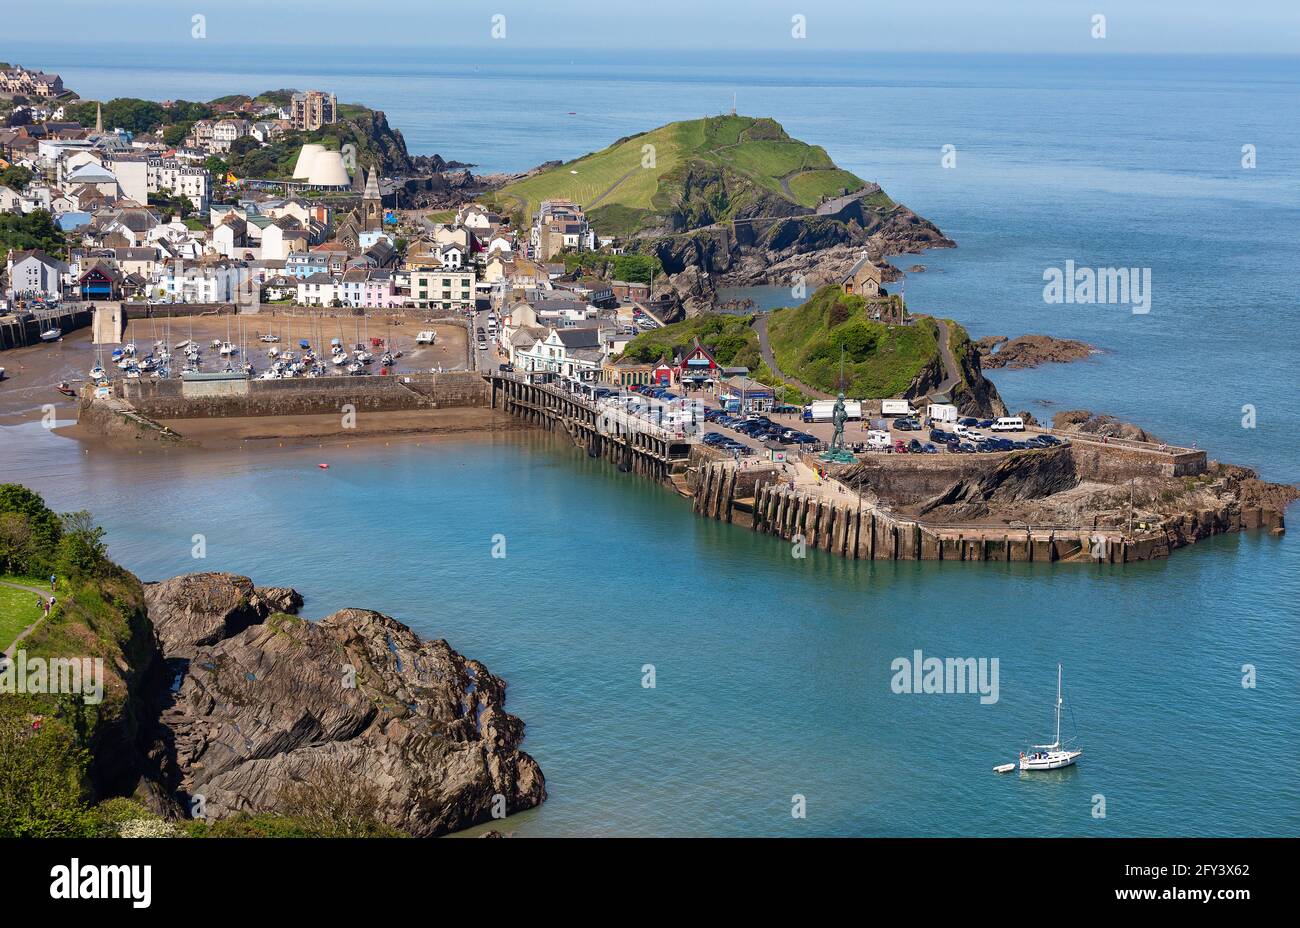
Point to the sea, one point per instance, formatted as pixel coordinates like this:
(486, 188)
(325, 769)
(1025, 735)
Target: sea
(684, 677)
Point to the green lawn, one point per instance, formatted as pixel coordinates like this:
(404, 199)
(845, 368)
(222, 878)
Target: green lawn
(18, 609)
(810, 188)
(618, 186)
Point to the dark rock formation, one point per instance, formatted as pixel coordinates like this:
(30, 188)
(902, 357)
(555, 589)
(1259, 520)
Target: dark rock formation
(790, 244)
(1025, 476)
(267, 701)
(1030, 351)
(1082, 420)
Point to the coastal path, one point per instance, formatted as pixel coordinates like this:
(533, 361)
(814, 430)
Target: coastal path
(44, 594)
(952, 373)
(765, 349)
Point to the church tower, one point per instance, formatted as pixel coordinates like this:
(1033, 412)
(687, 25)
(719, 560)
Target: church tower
(372, 204)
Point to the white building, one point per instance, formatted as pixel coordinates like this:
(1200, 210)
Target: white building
(203, 283)
(33, 274)
(178, 179)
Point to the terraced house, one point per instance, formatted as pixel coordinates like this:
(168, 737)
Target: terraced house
(439, 288)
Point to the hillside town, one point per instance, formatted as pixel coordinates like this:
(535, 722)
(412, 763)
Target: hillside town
(141, 219)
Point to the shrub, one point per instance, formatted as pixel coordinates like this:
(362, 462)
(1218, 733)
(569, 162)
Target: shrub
(42, 777)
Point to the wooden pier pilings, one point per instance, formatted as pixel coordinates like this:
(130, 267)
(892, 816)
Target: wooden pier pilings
(638, 448)
(852, 528)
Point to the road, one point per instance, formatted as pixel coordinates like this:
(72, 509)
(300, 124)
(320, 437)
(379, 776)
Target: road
(765, 349)
(952, 373)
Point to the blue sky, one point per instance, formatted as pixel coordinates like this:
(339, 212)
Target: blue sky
(1030, 26)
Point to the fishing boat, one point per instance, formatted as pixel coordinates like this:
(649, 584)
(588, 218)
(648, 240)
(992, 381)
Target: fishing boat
(1055, 755)
(52, 334)
(66, 389)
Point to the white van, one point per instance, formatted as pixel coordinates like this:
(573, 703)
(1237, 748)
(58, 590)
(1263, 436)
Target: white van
(1009, 424)
(902, 408)
(878, 440)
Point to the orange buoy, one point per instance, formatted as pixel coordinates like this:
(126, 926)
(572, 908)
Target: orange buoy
(323, 466)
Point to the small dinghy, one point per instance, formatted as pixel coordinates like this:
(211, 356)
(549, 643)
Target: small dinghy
(64, 388)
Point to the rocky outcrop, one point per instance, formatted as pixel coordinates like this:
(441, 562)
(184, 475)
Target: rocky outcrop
(201, 609)
(263, 702)
(1030, 351)
(1029, 475)
(793, 246)
(1082, 420)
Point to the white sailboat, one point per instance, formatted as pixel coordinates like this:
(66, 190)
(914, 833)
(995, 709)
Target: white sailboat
(1055, 755)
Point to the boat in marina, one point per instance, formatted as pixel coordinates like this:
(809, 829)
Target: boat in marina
(52, 334)
(1055, 755)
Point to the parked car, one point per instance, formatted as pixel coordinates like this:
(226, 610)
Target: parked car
(899, 447)
(914, 447)
(928, 448)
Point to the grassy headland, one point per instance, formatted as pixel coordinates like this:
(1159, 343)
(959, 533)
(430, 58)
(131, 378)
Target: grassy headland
(685, 175)
(879, 360)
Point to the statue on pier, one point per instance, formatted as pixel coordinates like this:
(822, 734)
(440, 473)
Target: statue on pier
(836, 453)
(838, 416)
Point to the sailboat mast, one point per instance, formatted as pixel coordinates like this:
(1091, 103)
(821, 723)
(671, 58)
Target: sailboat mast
(1058, 705)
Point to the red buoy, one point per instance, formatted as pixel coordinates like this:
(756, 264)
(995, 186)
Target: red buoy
(323, 466)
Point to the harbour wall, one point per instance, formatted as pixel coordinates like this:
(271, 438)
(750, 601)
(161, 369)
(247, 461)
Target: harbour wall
(203, 399)
(849, 527)
(16, 333)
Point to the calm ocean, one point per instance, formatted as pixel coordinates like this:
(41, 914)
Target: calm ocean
(773, 673)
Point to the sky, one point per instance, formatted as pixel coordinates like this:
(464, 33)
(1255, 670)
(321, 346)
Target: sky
(997, 26)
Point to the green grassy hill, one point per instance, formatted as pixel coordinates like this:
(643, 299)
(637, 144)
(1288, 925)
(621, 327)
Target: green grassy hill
(879, 360)
(702, 171)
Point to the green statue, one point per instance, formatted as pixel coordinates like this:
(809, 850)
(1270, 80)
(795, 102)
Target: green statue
(839, 416)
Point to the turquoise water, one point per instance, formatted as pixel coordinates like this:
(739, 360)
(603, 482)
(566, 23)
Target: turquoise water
(772, 673)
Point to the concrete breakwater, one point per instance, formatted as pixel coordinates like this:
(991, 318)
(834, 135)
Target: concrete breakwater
(846, 525)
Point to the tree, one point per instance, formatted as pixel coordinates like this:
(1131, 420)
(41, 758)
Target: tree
(42, 776)
(15, 177)
(175, 133)
(82, 552)
(32, 532)
(34, 230)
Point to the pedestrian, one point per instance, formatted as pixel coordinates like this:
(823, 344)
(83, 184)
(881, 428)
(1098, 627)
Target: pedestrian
(52, 580)
(53, 601)
(40, 601)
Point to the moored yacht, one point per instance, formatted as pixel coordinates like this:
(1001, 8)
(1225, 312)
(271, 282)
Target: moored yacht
(1055, 755)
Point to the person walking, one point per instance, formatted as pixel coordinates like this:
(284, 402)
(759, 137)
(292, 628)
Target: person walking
(53, 579)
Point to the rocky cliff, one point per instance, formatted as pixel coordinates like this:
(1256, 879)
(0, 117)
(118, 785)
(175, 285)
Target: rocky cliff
(259, 701)
(799, 246)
